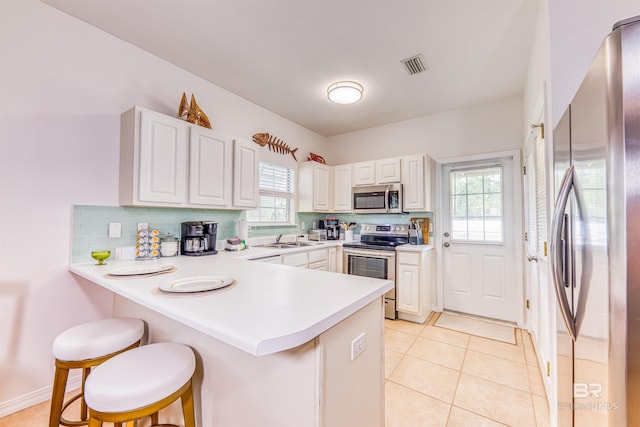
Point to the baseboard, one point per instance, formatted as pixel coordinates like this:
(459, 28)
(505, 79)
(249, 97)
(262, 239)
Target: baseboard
(38, 396)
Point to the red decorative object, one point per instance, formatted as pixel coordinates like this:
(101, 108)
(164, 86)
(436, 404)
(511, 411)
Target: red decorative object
(316, 158)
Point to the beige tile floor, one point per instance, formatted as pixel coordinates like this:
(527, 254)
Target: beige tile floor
(440, 377)
(437, 377)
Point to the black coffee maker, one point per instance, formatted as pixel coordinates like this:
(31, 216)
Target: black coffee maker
(198, 238)
(333, 228)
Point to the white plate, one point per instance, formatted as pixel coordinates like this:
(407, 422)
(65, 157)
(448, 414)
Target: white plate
(140, 270)
(196, 284)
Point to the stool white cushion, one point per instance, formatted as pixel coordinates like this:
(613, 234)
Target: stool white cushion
(139, 377)
(96, 339)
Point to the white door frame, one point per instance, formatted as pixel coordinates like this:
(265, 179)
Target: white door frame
(518, 224)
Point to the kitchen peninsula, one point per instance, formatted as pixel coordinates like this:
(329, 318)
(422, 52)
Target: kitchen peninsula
(275, 348)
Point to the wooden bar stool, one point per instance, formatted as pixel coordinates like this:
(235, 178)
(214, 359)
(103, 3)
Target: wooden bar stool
(83, 347)
(140, 383)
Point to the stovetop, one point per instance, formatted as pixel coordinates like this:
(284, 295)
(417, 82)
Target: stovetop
(381, 237)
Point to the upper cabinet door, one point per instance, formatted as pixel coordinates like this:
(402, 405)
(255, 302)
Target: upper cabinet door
(342, 188)
(162, 159)
(210, 168)
(314, 187)
(364, 173)
(245, 173)
(417, 183)
(413, 183)
(388, 171)
(321, 188)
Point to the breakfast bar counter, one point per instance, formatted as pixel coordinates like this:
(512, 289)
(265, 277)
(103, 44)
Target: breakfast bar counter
(277, 347)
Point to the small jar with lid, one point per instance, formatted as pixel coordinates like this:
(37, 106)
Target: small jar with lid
(169, 245)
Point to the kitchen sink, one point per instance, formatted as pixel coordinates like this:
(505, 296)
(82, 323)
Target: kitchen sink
(287, 245)
(303, 243)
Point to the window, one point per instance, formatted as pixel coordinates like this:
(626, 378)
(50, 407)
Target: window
(476, 204)
(276, 190)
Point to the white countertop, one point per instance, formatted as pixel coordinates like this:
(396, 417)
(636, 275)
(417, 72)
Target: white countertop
(269, 308)
(414, 248)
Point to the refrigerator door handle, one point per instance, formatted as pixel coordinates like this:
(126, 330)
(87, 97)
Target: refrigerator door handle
(558, 266)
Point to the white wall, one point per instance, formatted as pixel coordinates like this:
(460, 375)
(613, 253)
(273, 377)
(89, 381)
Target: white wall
(63, 85)
(577, 28)
(490, 127)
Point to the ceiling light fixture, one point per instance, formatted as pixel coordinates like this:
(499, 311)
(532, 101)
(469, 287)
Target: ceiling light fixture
(345, 92)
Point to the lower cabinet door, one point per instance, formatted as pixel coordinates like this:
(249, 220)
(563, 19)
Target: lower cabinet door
(408, 288)
(300, 259)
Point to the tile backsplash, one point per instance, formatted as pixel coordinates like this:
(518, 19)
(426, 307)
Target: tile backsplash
(91, 224)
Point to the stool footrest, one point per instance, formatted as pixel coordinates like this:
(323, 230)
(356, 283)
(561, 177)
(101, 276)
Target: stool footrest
(66, 422)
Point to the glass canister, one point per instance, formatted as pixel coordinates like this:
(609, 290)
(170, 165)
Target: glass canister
(169, 245)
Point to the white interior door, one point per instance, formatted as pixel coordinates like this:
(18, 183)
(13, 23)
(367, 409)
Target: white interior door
(536, 241)
(479, 263)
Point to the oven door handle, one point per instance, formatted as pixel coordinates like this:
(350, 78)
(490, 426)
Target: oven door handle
(373, 254)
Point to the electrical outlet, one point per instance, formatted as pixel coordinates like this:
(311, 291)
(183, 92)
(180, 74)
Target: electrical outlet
(303, 225)
(358, 345)
(115, 229)
(143, 226)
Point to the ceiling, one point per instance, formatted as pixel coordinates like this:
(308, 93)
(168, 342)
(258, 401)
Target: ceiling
(282, 54)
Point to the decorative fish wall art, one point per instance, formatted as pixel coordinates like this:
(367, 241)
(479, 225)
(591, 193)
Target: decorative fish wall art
(193, 112)
(274, 144)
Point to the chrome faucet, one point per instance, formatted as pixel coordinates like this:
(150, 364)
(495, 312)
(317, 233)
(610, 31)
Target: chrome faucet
(278, 238)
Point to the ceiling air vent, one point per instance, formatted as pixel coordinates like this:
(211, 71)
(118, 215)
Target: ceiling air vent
(414, 65)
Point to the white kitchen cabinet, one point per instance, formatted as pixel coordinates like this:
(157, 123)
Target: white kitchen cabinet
(342, 188)
(388, 171)
(245, 174)
(316, 259)
(417, 183)
(415, 281)
(210, 168)
(409, 297)
(153, 159)
(333, 260)
(165, 161)
(319, 259)
(298, 259)
(378, 172)
(364, 173)
(314, 187)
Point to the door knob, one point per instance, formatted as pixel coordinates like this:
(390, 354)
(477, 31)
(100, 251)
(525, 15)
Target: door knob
(446, 244)
(446, 234)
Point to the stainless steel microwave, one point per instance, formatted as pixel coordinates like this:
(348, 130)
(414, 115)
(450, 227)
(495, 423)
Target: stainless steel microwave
(377, 199)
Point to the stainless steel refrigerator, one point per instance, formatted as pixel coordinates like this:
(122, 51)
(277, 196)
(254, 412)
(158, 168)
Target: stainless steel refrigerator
(595, 239)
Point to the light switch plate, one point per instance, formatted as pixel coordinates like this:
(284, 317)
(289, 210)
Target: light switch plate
(115, 229)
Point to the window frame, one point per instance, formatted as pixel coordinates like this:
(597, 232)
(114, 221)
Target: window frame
(453, 194)
(264, 192)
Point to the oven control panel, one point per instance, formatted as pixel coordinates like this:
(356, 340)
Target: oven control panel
(384, 229)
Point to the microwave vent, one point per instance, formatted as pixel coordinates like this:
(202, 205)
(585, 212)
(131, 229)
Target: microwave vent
(415, 64)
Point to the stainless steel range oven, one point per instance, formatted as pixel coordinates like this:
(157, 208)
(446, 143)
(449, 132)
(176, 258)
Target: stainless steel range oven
(375, 256)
